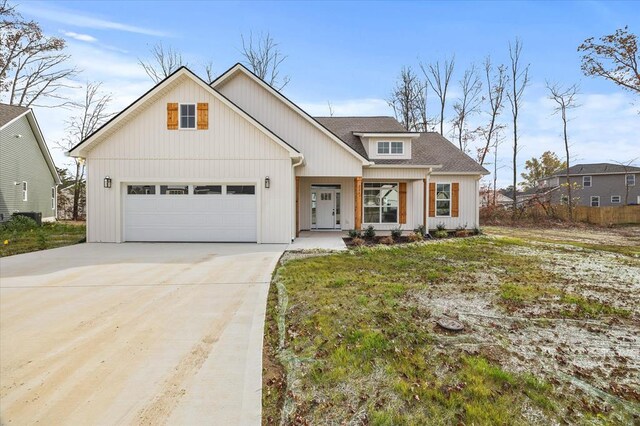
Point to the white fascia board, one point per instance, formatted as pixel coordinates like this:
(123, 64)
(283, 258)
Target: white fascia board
(479, 174)
(407, 135)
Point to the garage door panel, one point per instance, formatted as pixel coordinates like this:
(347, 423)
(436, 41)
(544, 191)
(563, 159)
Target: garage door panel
(190, 217)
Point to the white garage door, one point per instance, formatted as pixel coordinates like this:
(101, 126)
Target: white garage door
(179, 212)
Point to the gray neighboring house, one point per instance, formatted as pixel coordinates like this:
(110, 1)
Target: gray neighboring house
(596, 185)
(28, 176)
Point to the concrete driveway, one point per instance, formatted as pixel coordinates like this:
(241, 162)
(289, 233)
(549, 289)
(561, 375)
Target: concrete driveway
(134, 334)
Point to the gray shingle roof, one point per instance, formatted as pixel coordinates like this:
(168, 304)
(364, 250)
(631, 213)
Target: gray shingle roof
(596, 168)
(428, 149)
(9, 112)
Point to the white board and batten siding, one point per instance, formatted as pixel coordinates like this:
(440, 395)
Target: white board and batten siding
(468, 198)
(230, 151)
(323, 155)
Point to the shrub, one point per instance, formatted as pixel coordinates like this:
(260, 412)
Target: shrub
(441, 233)
(415, 237)
(42, 240)
(396, 233)
(370, 233)
(388, 240)
(461, 231)
(441, 227)
(19, 224)
(422, 230)
(357, 241)
(355, 233)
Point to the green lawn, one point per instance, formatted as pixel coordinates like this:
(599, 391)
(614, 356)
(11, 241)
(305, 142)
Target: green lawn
(49, 235)
(351, 337)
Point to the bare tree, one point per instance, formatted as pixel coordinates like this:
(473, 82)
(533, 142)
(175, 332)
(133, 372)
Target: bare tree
(331, 112)
(519, 80)
(467, 105)
(208, 72)
(32, 65)
(565, 100)
(497, 80)
(90, 114)
(264, 58)
(438, 78)
(626, 167)
(614, 57)
(407, 101)
(164, 61)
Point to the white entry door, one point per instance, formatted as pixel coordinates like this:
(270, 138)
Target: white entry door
(205, 212)
(326, 209)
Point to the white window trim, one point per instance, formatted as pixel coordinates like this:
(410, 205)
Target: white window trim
(618, 197)
(626, 181)
(436, 200)
(596, 198)
(397, 222)
(390, 150)
(25, 191)
(590, 181)
(195, 107)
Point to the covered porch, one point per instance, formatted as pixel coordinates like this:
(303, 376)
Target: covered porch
(385, 201)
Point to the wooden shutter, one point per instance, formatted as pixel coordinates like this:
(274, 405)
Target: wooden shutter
(455, 190)
(172, 116)
(432, 199)
(203, 116)
(403, 202)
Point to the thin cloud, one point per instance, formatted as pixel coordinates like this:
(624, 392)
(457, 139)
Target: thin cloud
(80, 37)
(349, 107)
(73, 18)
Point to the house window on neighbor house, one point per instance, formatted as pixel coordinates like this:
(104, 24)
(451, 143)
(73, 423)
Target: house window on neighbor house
(187, 116)
(586, 181)
(380, 202)
(616, 199)
(630, 180)
(595, 201)
(443, 199)
(53, 198)
(25, 191)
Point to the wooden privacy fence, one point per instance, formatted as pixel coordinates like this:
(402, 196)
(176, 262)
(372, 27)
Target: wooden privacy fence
(601, 215)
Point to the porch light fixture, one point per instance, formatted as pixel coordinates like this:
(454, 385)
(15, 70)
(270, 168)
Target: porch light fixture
(107, 182)
(267, 182)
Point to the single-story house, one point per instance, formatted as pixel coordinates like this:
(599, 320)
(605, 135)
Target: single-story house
(236, 160)
(28, 176)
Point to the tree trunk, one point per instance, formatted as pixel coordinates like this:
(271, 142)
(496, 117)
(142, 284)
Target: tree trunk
(515, 160)
(566, 148)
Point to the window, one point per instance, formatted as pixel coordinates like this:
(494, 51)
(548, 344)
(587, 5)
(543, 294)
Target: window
(53, 198)
(207, 189)
(443, 199)
(380, 203)
(630, 180)
(141, 189)
(313, 208)
(390, 148)
(241, 190)
(187, 116)
(174, 189)
(383, 148)
(595, 201)
(337, 208)
(25, 191)
(616, 199)
(586, 181)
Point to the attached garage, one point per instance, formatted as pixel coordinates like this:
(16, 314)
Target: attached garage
(208, 212)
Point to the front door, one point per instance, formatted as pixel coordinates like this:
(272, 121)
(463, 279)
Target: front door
(326, 210)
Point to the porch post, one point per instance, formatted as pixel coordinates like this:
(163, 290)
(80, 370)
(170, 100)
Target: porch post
(297, 206)
(358, 202)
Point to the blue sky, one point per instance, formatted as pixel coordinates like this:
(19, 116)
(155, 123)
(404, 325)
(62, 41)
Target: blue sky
(350, 53)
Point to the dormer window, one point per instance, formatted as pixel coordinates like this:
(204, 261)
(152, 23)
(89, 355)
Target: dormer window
(386, 148)
(187, 116)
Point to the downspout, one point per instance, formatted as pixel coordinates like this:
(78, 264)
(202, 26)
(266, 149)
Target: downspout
(294, 210)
